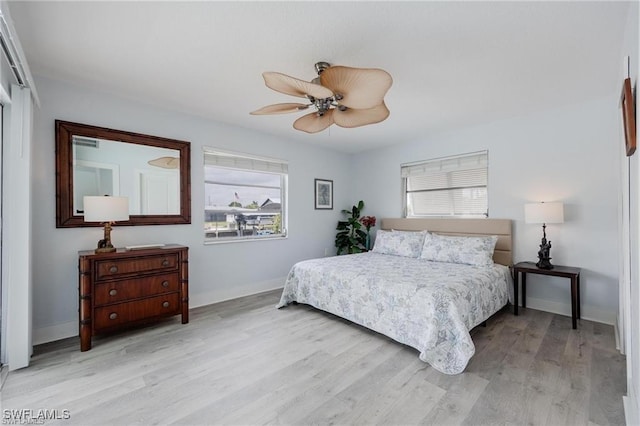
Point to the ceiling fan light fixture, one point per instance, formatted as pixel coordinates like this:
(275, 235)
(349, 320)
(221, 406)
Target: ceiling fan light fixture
(349, 97)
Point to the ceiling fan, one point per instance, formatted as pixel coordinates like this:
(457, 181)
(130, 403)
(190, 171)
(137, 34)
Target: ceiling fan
(165, 162)
(348, 97)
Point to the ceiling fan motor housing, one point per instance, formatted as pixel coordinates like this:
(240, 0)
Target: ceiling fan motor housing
(321, 66)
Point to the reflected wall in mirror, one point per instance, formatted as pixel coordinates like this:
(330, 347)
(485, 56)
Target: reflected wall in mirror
(153, 172)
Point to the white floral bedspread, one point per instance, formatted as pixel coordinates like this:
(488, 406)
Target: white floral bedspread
(430, 306)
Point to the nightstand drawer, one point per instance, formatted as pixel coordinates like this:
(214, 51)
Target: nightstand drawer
(107, 269)
(112, 316)
(118, 291)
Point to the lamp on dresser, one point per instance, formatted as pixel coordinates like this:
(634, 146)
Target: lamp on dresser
(107, 210)
(544, 213)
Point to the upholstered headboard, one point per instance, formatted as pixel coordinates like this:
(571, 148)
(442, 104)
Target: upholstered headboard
(447, 226)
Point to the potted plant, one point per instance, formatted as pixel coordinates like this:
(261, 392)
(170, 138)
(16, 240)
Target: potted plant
(350, 237)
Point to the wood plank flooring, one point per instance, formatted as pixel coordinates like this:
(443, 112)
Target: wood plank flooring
(243, 362)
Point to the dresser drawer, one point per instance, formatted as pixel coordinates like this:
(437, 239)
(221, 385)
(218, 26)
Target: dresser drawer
(112, 316)
(135, 288)
(107, 269)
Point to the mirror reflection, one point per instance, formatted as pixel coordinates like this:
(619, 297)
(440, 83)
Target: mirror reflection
(149, 176)
(153, 172)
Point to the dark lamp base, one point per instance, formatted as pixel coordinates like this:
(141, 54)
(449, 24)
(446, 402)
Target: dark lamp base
(105, 249)
(544, 260)
(104, 245)
(544, 264)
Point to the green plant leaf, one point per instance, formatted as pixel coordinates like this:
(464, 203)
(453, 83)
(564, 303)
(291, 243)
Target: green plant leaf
(350, 238)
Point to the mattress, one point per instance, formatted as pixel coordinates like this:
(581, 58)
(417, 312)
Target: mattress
(430, 306)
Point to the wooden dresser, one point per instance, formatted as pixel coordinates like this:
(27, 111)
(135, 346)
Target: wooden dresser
(130, 287)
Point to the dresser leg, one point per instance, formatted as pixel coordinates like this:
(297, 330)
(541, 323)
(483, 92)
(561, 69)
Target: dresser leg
(85, 337)
(185, 311)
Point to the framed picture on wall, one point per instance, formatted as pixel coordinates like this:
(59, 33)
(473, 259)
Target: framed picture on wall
(323, 194)
(628, 117)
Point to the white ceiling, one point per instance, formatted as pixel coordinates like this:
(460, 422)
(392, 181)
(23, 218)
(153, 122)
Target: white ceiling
(454, 64)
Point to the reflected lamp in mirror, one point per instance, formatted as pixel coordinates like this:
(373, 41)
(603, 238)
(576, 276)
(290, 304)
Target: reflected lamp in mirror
(106, 210)
(544, 213)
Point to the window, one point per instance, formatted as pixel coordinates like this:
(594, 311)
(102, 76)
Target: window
(245, 197)
(449, 186)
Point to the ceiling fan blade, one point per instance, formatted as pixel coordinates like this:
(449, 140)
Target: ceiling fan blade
(165, 162)
(280, 109)
(313, 123)
(361, 117)
(360, 88)
(292, 86)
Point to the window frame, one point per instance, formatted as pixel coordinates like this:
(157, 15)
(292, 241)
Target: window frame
(440, 162)
(227, 160)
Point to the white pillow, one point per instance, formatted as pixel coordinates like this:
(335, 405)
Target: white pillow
(407, 244)
(457, 249)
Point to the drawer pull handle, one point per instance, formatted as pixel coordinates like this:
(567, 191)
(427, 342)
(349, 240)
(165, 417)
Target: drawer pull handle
(113, 269)
(165, 304)
(113, 316)
(165, 262)
(113, 292)
(165, 284)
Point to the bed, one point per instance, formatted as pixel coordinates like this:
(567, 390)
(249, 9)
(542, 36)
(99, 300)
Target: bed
(427, 297)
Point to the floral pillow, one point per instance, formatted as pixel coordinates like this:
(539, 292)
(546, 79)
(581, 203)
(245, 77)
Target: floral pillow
(454, 249)
(407, 244)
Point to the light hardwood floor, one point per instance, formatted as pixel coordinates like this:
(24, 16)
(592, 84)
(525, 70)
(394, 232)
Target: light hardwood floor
(245, 362)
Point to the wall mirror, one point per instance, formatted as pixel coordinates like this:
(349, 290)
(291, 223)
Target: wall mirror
(153, 172)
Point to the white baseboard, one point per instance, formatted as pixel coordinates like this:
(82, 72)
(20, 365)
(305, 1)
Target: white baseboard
(222, 295)
(586, 312)
(631, 413)
(70, 329)
(55, 332)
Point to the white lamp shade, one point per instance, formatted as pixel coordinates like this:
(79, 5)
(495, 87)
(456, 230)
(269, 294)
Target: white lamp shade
(105, 208)
(544, 213)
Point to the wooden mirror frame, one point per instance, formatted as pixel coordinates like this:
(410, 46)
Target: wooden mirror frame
(65, 131)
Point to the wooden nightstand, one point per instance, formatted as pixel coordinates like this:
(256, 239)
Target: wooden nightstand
(572, 273)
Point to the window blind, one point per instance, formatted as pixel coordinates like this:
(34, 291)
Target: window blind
(450, 186)
(244, 162)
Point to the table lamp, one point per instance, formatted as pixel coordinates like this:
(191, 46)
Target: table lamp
(544, 213)
(107, 210)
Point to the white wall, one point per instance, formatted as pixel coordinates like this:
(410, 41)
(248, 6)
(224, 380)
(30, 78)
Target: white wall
(630, 286)
(216, 272)
(567, 155)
